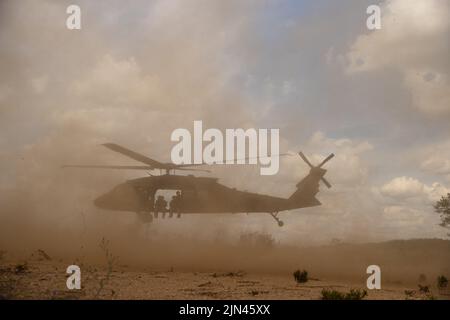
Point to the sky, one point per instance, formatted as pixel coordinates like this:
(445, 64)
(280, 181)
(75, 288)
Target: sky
(378, 99)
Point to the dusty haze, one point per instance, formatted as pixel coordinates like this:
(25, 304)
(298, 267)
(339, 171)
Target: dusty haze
(133, 75)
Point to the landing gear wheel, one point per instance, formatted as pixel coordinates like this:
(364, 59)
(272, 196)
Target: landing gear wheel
(275, 216)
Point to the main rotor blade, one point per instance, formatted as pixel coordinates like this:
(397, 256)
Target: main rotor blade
(134, 155)
(106, 167)
(188, 169)
(124, 167)
(176, 166)
(326, 182)
(305, 159)
(259, 157)
(225, 162)
(326, 160)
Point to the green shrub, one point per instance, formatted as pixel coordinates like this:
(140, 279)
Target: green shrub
(424, 289)
(301, 276)
(354, 294)
(409, 293)
(332, 295)
(21, 268)
(442, 282)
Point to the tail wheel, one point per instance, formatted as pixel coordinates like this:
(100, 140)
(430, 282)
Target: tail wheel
(275, 216)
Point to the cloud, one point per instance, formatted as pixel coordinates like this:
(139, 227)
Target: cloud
(347, 167)
(403, 215)
(403, 188)
(407, 220)
(407, 206)
(436, 191)
(414, 44)
(39, 84)
(408, 37)
(5, 92)
(435, 158)
(119, 83)
(429, 91)
(437, 163)
(135, 73)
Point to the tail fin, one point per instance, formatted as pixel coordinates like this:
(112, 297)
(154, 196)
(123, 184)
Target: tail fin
(307, 189)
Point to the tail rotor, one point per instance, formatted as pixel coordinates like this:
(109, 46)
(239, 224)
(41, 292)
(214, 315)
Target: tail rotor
(319, 166)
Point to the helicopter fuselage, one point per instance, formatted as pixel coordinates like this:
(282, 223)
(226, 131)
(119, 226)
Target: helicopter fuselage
(199, 195)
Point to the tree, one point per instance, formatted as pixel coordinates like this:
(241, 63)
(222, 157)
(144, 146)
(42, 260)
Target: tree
(443, 208)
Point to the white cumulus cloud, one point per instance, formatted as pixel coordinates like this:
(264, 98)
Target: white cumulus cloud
(414, 40)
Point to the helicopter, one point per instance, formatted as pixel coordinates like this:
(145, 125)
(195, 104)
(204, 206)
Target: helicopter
(198, 194)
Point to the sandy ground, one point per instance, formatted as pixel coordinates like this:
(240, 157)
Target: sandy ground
(43, 277)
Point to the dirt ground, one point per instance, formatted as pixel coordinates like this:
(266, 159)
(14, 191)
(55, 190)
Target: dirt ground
(41, 276)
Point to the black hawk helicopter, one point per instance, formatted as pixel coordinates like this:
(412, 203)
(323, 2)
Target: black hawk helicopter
(199, 194)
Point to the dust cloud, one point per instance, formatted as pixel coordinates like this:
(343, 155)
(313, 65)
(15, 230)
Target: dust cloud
(51, 210)
(63, 94)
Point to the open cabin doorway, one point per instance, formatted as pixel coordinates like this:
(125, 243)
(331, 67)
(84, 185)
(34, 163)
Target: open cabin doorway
(167, 201)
